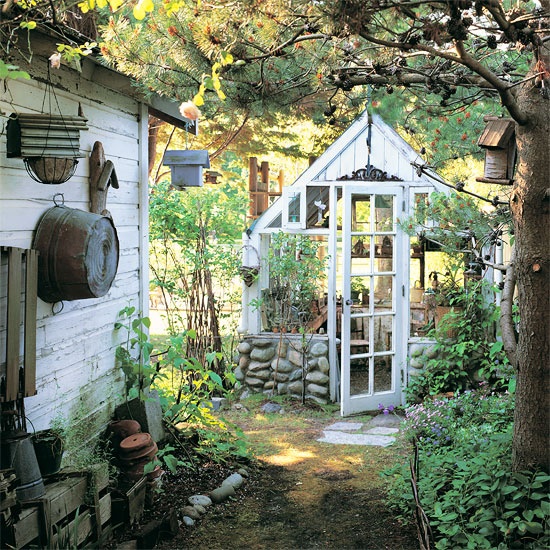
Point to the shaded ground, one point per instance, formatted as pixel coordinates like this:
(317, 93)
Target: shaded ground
(301, 494)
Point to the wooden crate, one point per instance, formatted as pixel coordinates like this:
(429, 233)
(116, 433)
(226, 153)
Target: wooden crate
(63, 516)
(128, 505)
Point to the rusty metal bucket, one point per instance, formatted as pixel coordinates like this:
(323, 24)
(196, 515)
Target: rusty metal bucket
(78, 254)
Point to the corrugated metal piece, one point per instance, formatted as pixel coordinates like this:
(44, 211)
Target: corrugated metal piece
(497, 133)
(39, 135)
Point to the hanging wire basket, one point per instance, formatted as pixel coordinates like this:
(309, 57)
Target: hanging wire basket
(50, 170)
(48, 143)
(249, 273)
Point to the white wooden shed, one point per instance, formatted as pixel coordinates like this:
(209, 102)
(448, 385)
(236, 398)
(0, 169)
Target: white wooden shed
(351, 198)
(75, 341)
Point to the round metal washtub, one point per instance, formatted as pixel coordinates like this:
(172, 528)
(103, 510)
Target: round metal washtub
(78, 254)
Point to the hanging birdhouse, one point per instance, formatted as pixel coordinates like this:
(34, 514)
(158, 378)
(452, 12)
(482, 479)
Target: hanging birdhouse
(499, 141)
(211, 177)
(186, 167)
(48, 144)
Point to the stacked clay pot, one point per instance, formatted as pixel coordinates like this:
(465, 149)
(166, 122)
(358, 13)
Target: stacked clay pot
(121, 429)
(135, 452)
(134, 449)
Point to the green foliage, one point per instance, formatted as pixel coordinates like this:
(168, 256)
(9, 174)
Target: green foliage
(194, 261)
(296, 273)
(81, 450)
(469, 418)
(458, 224)
(134, 356)
(11, 71)
(472, 355)
(185, 387)
(466, 487)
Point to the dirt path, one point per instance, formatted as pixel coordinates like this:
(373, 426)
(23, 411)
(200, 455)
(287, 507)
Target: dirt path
(302, 494)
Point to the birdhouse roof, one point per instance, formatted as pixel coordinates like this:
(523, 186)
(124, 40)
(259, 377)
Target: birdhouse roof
(497, 133)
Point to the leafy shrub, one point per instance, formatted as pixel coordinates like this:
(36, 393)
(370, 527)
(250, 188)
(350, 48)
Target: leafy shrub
(468, 418)
(466, 487)
(472, 355)
(185, 387)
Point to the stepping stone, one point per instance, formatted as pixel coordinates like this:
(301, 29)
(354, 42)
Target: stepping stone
(343, 438)
(345, 426)
(382, 431)
(385, 420)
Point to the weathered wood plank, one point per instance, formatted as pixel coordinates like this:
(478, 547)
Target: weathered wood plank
(65, 496)
(27, 528)
(31, 285)
(14, 323)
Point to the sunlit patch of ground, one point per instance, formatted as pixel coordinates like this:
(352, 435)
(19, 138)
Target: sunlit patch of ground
(290, 456)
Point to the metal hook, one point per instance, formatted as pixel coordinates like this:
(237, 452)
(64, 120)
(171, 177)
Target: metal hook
(62, 203)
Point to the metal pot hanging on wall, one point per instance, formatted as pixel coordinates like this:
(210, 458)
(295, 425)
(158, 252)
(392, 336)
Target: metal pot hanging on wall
(79, 254)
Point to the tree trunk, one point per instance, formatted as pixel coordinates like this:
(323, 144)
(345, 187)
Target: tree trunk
(530, 203)
(154, 127)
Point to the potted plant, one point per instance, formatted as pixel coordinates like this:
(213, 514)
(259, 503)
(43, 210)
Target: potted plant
(416, 246)
(449, 298)
(49, 445)
(358, 288)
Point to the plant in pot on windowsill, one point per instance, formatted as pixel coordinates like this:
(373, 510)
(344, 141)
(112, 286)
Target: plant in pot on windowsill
(359, 291)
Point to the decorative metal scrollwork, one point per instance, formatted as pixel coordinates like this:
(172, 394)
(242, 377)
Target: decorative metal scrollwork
(369, 174)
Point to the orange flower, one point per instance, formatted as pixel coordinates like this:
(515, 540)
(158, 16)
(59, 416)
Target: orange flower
(172, 31)
(464, 136)
(189, 110)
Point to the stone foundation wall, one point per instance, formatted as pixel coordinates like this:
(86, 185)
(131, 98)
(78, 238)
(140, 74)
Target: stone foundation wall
(284, 363)
(420, 352)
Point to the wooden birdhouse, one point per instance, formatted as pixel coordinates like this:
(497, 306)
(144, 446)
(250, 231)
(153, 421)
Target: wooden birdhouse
(499, 141)
(186, 167)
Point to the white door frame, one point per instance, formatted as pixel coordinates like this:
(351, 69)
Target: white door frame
(370, 400)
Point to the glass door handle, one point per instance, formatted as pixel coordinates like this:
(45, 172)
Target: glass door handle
(349, 302)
